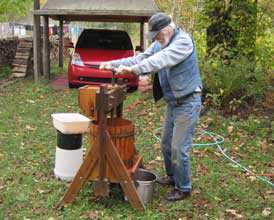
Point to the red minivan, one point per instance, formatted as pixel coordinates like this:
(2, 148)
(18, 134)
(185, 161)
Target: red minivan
(93, 47)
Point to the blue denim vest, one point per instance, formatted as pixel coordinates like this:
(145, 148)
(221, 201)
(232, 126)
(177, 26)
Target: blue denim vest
(182, 79)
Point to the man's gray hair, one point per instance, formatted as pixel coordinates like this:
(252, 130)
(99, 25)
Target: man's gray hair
(173, 25)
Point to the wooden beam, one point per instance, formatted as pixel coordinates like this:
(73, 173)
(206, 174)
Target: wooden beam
(61, 43)
(36, 43)
(95, 16)
(130, 13)
(46, 51)
(101, 187)
(142, 37)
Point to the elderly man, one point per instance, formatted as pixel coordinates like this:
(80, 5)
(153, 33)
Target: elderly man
(172, 56)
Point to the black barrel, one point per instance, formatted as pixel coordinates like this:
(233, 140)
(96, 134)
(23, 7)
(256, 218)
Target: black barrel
(69, 141)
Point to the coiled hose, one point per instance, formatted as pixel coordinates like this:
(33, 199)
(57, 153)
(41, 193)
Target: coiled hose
(217, 143)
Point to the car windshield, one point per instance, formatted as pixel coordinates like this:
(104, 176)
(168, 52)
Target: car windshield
(104, 39)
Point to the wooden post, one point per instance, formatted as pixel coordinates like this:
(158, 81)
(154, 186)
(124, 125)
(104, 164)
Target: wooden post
(61, 44)
(101, 187)
(12, 29)
(36, 43)
(46, 50)
(142, 37)
(119, 111)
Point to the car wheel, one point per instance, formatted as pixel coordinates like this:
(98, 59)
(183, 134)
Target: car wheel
(132, 89)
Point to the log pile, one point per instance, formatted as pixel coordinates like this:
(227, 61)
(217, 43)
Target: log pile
(7, 51)
(22, 62)
(18, 53)
(54, 51)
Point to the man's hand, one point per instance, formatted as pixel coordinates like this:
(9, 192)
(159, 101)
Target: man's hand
(123, 70)
(105, 66)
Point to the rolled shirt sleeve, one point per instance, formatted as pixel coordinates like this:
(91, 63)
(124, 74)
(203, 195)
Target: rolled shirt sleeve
(149, 62)
(178, 50)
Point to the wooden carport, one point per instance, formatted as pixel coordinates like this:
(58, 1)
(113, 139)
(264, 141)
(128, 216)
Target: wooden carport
(84, 10)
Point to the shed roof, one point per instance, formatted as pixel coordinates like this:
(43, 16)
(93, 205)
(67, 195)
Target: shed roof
(99, 10)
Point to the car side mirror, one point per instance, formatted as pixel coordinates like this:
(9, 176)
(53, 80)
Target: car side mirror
(139, 48)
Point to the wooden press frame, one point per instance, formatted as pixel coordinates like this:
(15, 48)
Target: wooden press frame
(105, 151)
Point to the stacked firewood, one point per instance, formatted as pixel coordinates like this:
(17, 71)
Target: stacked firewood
(7, 51)
(54, 51)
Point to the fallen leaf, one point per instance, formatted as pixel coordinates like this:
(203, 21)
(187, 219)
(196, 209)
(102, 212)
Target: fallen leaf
(41, 191)
(30, 101)
(138, 102)
(235, 148)
(158, 158)
(196, 191)
(91, 215)
(222, 216)
(1, 155)
(217, 154)
(162, 119)
(36, 89)
(142, 113)
(39, 211)
(150, 113)
(239, 216)
(30, 128)
(230, 129)
(270, 192)
(232, 211)
(2, 187)
(217, 198)
(157, 146)
(252, 178)
(266, 212)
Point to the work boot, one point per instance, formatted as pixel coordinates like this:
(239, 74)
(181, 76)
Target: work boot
(165, 181)
(177, 194)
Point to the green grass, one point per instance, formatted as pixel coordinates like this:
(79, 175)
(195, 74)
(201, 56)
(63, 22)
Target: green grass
(5, 72)
(29, 189)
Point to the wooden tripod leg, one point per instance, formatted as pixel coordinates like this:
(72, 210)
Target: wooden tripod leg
(122, 175)
(81, 177)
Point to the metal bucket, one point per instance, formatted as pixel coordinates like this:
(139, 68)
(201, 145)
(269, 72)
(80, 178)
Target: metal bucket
(144, 181)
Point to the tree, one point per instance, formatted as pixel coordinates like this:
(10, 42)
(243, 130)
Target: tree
(232, 28)
(10, 9)
(182, 11)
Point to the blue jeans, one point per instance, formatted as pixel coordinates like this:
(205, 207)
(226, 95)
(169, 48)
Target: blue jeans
(176, 139)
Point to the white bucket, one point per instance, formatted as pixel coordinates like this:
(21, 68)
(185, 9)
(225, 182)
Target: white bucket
(67, 163)
(70, 123)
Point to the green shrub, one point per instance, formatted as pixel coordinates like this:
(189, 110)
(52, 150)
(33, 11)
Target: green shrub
(232, 83)
(5, 72)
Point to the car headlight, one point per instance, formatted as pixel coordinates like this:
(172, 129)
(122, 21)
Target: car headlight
(76, 60)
